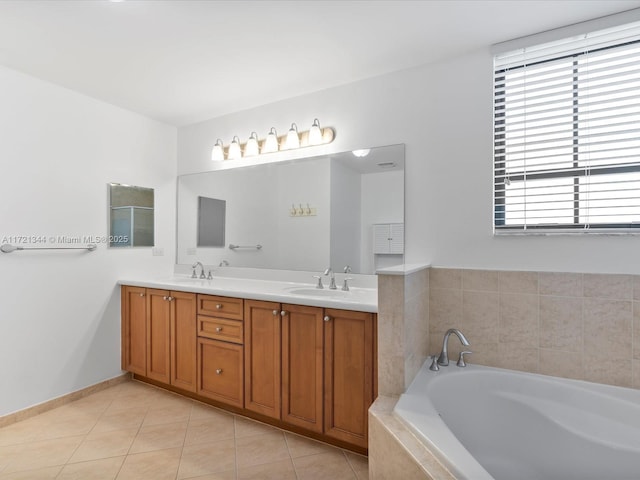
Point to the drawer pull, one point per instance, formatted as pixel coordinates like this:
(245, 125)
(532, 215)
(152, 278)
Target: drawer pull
(219, 371)
(327, 318)
(218, 329)
(219, 306)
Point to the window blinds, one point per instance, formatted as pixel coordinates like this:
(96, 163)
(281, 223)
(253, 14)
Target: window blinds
(567, 134)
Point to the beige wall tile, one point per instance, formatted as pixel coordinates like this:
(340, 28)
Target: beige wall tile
(480, 316)
(391, 374)
(636, 373)
(518, 282)
(519, 319)
(390, 294)
(608, 286)
(480, 280)
(601, 369)
(487, 354)
(561, 323)
(391, 329)
(416, 283)
(636, 330)
(560, 284)
(607, 327)
(561, 364)
(445, 309)
(445, 278)
(636, 287)
(517, 357)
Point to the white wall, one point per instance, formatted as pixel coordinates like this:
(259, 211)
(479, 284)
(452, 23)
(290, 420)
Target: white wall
(346, 211)
(60, 311)
(443, 113)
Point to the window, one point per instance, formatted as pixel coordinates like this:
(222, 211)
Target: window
(567, 135)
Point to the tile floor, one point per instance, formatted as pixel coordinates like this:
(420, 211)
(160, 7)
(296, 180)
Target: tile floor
(136, 431)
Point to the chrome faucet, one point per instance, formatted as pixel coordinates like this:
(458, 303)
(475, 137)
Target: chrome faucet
(194, 266)
(443, 359)
(332, 284)
(223, 263)
(345, 285)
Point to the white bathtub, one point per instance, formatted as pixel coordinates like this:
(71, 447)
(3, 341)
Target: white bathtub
(489, 423)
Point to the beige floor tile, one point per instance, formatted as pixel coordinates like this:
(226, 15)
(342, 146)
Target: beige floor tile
(324, 466)
(201, 410)
(104, 445)
(159, 437)
(210, 429)
(103, 469)
(158, 465)
(360, 465)
(282, 470)
(301, 446)
(260, 449)
(204, 459)
(170, 412)
(228, 475)
(123, 420)
(247, 428)
(36, 455)
(39, 474)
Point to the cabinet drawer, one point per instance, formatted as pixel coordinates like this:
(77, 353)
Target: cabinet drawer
(220, 329)
(220, 371)
(224, 307)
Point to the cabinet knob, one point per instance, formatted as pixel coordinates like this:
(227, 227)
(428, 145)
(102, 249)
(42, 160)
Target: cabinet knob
(326, 318)
(142, 294)
(219, 371)
(165, 298)
(275, 312)
(283, 313)
(170, 299)
(218, 329)
(219, 306)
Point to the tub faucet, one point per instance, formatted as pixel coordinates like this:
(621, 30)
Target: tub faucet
(332, 284)
(443, 359)
(194, 266)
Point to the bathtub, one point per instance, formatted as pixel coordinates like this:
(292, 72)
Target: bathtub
(487, 423)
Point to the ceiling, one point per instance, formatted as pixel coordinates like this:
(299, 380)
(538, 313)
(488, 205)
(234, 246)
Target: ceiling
(185, 61)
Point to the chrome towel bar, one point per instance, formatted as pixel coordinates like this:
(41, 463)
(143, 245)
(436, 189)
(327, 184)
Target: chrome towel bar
(8, 248)
(234, 247)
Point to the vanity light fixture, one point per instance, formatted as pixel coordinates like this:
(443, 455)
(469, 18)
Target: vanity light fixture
(252, 148)
(271, 143)
(315, 134)
(217, 153)
(363, 152)
(234, 149)
(293, 139)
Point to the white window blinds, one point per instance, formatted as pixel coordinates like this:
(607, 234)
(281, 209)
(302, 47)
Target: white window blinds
(567, 134)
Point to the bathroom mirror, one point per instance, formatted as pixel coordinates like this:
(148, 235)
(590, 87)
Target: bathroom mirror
(211, 222)
(131, 222)
(305, 214)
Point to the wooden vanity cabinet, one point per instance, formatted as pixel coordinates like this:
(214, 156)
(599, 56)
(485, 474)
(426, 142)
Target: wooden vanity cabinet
(220, 369)
(159, 335)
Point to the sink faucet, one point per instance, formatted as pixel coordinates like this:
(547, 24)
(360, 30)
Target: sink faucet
(443, 359)
(332, 284)
(194, 266)
(223, 263)
(345, 285)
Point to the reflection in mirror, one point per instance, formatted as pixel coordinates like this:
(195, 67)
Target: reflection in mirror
(307, 214)
(211, 222)
(131, 222)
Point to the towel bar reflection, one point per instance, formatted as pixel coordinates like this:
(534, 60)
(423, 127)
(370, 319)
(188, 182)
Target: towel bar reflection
(234, 247)
(8, 248)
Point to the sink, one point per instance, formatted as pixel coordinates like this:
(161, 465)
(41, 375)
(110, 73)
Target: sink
(317, 292)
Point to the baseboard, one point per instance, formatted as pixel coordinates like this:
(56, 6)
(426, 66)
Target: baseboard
(59, 401)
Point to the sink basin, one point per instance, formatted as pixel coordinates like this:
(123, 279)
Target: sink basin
(317, 292)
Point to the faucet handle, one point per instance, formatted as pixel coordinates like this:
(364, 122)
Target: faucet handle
(434, 363)
(210, 276)
(461, 362)
(193, 273)
(345, 285)
(319, 284)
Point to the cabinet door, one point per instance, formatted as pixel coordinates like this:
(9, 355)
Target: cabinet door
(262, 357)
(302, 345)
(381, 238)
(396, 244)
(158, 335)
(134, 329)
(183, 340)
(220, 371)
(348, 363)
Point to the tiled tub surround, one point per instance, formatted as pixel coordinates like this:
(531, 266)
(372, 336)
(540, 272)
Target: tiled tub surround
(572, 325)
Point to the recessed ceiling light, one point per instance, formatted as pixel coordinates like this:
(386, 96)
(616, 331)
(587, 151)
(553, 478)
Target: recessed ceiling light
(361, 153)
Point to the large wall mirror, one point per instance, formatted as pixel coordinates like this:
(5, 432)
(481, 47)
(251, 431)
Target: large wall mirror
(131, 216)
(307, 214)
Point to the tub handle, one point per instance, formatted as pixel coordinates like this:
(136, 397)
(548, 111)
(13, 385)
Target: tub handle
(461, 362)
(434, 363)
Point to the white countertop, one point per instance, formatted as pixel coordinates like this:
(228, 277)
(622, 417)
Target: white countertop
(357, 298)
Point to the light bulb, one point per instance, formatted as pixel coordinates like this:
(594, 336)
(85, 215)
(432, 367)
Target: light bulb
(362, 152)
(271, 142)
(315, 133)
(293, 140)
(217, 153)
(251, 148)
(234, 149)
